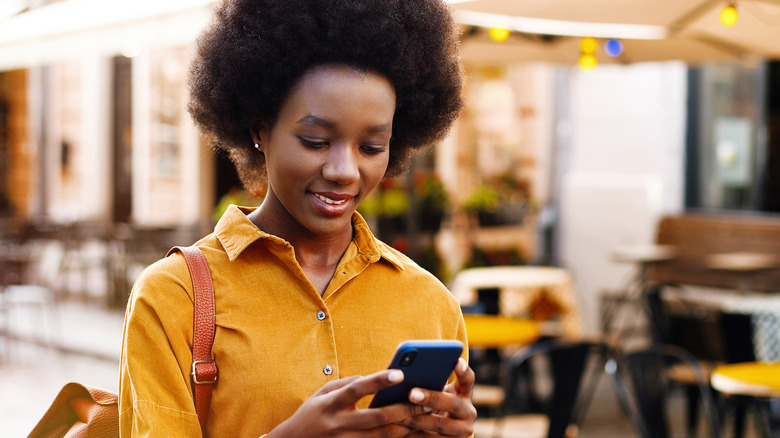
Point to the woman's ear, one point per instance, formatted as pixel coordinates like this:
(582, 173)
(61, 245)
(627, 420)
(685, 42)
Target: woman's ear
(259, 131)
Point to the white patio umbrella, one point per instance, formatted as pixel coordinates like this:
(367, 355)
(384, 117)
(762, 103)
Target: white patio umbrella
(650, 30)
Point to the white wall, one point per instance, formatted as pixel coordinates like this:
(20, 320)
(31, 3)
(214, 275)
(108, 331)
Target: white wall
(98, 141)
(623, 168)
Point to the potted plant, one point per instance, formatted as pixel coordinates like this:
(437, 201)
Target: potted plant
(483, 202)
(431, 199)
(500, 201)
(388, 205)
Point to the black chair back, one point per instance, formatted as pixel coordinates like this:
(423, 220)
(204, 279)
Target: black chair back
(641, 380)
(693, 327)
(567, 363)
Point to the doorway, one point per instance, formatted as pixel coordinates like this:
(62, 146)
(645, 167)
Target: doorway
(123, 139)
(771, 184)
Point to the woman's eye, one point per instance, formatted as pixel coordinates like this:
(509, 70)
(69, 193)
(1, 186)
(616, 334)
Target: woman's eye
(313, 143)
(373, 149)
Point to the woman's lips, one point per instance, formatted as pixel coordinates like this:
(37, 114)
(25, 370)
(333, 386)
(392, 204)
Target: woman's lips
(329, 200)
(331, 204)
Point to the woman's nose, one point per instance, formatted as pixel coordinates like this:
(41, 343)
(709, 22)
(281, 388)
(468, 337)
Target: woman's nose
(342, 164)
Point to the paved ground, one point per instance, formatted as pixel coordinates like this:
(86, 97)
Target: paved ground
(84, 346)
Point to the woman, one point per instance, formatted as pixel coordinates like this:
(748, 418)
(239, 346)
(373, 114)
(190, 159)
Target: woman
(320, 100)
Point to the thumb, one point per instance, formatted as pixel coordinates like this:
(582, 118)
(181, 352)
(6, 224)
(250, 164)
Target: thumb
(335, 384)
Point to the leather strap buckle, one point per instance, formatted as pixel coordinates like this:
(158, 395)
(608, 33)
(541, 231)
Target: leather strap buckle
(195, 373)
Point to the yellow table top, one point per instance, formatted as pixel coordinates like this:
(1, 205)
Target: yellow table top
(495, 331)
(760, 379)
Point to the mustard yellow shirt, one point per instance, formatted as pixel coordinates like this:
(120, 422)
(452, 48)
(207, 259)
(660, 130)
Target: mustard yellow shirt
(277, 340)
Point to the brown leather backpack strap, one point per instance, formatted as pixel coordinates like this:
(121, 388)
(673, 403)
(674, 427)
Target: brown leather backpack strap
(204, 369)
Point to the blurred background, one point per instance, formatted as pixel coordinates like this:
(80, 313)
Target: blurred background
(587, 124)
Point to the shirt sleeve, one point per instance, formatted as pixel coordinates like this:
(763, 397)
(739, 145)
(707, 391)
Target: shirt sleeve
(155, 398)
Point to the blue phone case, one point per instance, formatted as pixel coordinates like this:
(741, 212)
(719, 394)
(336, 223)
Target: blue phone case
(426, 364)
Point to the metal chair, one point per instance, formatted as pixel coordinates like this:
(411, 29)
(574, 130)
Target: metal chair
(713, 337)
(559, 407)
(735, 329)
(38, 288)
(643, 385)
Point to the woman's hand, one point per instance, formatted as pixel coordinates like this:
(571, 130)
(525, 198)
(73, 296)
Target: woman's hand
(451, 410)
(331, 411)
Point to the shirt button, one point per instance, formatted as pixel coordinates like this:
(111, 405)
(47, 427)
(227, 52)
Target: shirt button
(321, 315)
(327, 370)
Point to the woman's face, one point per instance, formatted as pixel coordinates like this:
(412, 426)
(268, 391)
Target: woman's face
(327, 150)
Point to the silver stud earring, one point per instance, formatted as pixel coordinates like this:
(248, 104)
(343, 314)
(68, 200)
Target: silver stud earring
(257, 146)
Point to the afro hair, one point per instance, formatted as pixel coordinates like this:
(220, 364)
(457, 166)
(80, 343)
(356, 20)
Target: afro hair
(254, 51)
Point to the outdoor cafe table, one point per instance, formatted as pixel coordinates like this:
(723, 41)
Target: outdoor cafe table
(753, 379)
(763, 308)
(522, 287)
(496, 331)
(743, 264)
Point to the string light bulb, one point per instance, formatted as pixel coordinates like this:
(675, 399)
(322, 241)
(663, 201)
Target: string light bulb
(589, 45)
(588, 61)
(729, 15)
(613, 48)
(499, 34)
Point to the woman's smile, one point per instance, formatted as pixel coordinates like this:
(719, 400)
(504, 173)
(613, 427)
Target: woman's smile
(332, 204)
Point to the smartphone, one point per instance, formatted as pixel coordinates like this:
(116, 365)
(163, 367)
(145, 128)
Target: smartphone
(426, 364)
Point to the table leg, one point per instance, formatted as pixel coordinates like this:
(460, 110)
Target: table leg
(627, 295)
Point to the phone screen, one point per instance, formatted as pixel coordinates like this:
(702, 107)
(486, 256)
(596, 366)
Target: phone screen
(426, 364)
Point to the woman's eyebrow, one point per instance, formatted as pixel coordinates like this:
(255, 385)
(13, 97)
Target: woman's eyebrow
(314, 120)
(378, 129)
(311, 119)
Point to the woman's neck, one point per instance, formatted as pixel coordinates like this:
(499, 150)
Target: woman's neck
(318, 255)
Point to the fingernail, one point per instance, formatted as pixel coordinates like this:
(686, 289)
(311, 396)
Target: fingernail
(395, 376)
(416, 395)
(462, 365)
(427, 409)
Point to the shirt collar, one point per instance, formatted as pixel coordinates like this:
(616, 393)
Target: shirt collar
(236, 232)
(369, 245)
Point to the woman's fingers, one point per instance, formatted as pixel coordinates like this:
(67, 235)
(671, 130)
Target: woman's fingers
(464, 382)
(337, 402)
(396, 415)
(351, 393)
(445, 403)
(334, 385)
(441, 425)
(387, 431)
(457, 420)
(453, 414)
